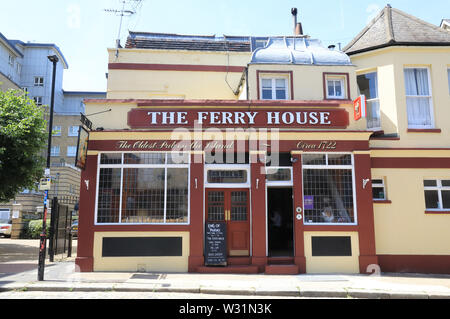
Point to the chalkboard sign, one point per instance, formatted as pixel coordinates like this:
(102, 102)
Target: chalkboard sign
(215, 244)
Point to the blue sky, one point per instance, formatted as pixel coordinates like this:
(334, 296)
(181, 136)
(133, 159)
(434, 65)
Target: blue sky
(83, 30)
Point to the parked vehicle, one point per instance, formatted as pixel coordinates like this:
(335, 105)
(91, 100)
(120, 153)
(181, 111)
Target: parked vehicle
(5, 227)
(74, 229)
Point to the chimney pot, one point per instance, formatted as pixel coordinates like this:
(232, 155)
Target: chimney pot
(298, 30)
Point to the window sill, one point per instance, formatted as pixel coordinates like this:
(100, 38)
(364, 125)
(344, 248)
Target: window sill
(384, 201)
(424, 130)
(445, 212)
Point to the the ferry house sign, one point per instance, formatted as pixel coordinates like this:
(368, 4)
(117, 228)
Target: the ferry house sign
(303, 118)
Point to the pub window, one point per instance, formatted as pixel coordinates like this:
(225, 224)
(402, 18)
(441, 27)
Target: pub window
(328, 189)
(378, 189)
(279, 174)
(448, 79)
(368, 86)
(226, 175)
(418, 98)
(437, 194)
(274, 87)
(143, 188)
(335, 86)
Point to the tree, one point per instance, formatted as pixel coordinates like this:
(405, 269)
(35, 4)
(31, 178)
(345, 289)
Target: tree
(22, 139)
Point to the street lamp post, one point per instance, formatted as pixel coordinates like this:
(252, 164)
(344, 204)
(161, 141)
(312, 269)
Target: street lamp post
(43, 239)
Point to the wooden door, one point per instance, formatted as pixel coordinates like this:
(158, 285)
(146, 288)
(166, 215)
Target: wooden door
(231, 206)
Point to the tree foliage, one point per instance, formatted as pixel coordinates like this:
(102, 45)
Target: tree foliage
(22, 140)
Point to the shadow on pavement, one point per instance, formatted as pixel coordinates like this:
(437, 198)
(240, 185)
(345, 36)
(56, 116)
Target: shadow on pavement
(15, 268)
(13, 252)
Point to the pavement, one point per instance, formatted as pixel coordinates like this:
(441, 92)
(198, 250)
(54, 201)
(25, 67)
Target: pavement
(61, 275)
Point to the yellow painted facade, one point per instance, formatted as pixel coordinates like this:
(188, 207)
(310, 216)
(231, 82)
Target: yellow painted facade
(316, 264)
(141, 264)
(402, 227)
(166, 84)
(389, 64)
(307, 79)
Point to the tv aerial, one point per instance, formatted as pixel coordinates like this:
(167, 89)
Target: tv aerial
(124, 12)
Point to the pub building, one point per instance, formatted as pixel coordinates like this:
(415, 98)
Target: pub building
(249, 155)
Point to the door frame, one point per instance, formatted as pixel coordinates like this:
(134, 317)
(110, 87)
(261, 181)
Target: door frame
(249, 220)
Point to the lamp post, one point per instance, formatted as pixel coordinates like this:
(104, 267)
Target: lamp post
(43, 238)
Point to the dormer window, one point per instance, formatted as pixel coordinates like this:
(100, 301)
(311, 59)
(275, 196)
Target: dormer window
(336, 86)
(274, 86)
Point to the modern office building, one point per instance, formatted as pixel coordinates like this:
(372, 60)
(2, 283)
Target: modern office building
(25, 66)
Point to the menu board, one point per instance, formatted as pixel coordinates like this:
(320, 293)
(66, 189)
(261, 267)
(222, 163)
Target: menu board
(215, 244)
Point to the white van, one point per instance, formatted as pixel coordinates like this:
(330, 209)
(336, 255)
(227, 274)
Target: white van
(5, 222)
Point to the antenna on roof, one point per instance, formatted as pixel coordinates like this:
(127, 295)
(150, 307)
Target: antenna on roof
(124, 12)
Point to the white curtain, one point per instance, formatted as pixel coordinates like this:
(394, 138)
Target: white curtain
(417, 97)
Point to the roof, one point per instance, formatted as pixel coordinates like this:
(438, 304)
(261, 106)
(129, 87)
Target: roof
(43, 45)
(10, 45)
(298, 50)
(445, 22)
(166, 41)
(394, 27)
(83, 93)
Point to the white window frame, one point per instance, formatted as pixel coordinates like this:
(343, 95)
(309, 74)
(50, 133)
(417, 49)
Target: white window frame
(439, 188)
(71, 132)
(38, 100)
(53, 152)
(227, 167)
(326, 166)
(336, 78)
(56, 131)
(279, 183)
(10, 60)
(273, 79)
(39, 81)
(430, 99)
(73, 153)
(378, 185)
(122, 166)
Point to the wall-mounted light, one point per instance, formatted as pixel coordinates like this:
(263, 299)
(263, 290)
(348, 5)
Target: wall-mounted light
(365, 181)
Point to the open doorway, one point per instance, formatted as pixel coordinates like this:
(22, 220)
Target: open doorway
(280, 220)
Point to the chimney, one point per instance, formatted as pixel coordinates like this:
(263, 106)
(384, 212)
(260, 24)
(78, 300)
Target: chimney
(298, 30)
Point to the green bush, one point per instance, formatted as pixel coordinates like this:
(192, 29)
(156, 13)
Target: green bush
(34, 228)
